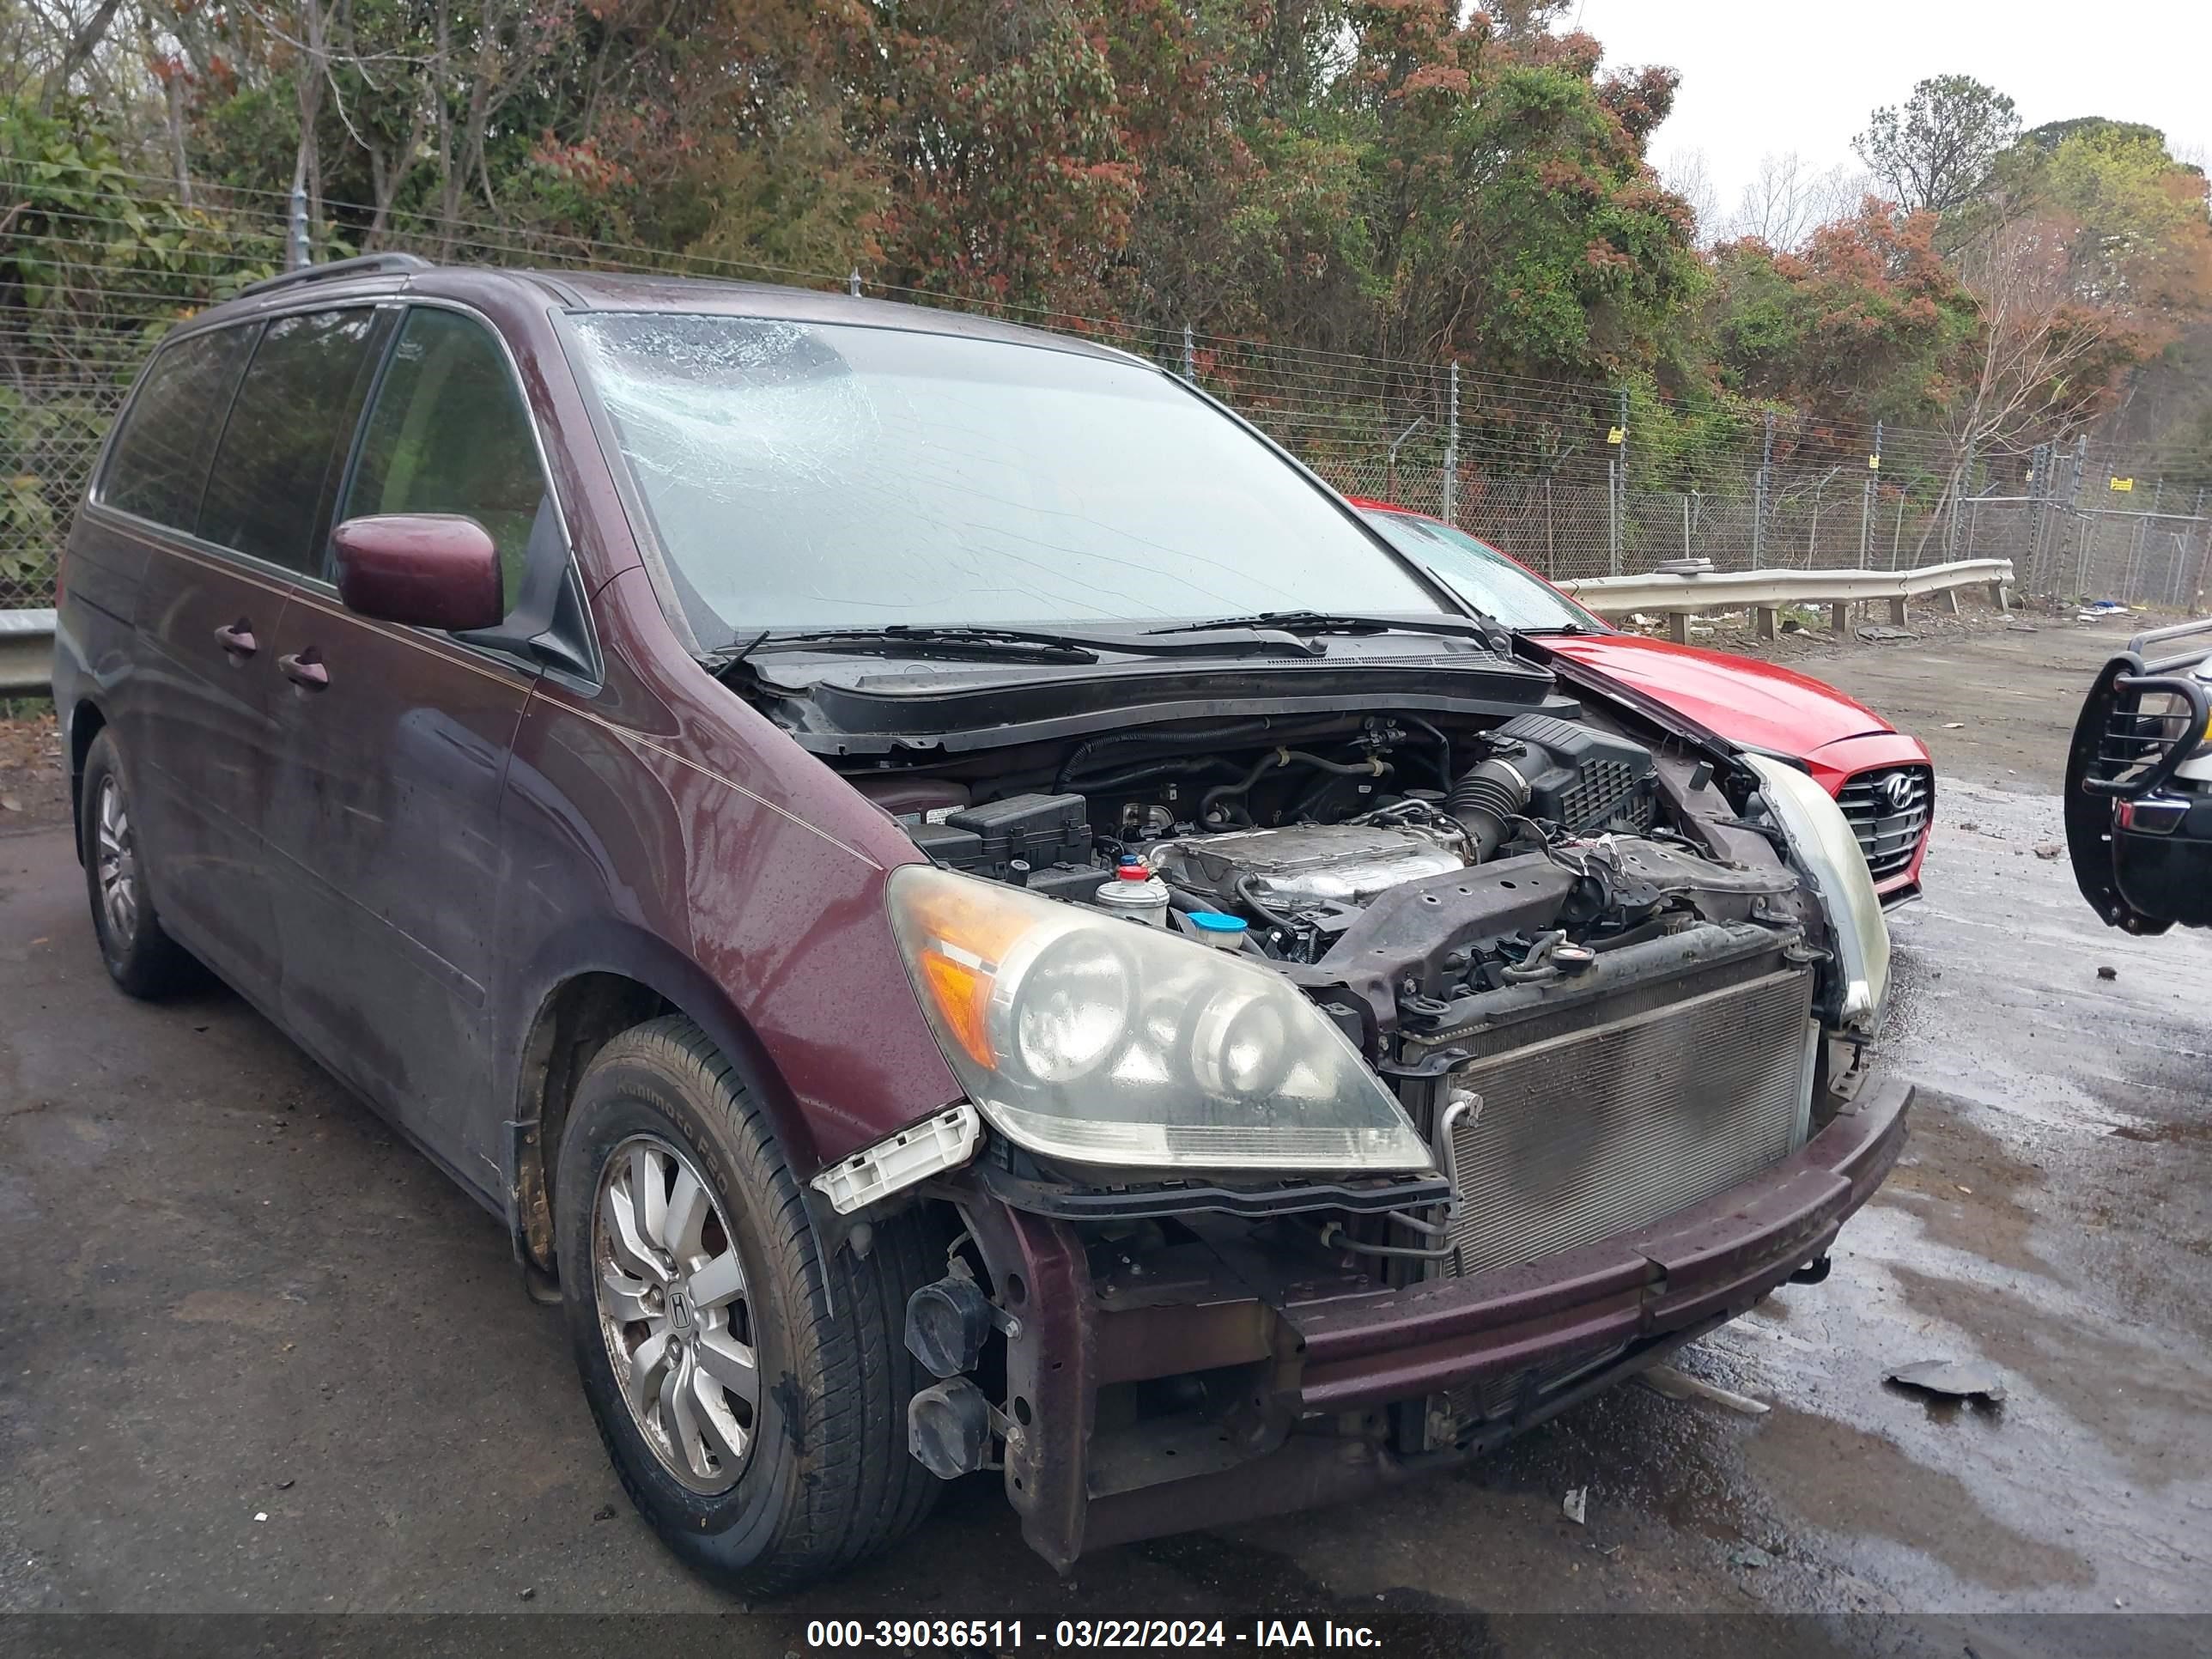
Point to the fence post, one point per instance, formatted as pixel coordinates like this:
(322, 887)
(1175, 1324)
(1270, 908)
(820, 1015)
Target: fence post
(853, 283)
(2039, 486)
(1451, 451)
(1867, 495)
(1616, 494)
(1189, 356)
(1759, 497)
(2204, 555)
(2081, 524)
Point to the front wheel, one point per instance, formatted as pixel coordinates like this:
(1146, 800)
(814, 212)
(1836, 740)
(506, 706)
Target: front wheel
(756, 1413)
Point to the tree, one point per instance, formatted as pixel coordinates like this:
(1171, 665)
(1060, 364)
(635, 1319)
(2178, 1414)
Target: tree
(1867, 323)
(2088, 253)
(1000, 130)
(1689, 174)
(1935, 153)
(2044, 361)
(1787, 201)
(1506, 209)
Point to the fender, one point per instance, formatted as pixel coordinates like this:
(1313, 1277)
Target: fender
(632, 953)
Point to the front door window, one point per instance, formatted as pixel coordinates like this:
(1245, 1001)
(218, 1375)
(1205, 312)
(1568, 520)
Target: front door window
(449, 434)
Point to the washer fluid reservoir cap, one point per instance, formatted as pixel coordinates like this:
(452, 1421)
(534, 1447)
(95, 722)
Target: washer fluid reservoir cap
(1222, 931)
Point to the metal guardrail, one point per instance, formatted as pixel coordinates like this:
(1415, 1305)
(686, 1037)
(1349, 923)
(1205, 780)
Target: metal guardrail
(27, 652)
(1677, 593)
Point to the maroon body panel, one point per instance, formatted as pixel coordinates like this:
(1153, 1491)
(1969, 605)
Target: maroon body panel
(664, 821)
(198, 718)
(384, 824)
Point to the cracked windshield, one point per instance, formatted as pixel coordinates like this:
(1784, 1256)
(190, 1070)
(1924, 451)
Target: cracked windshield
(801, 476)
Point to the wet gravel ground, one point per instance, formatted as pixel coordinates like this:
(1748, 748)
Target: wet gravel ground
(258, 1357)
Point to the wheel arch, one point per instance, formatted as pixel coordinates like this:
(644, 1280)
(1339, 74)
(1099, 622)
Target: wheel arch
(87, 720)
(630, 979)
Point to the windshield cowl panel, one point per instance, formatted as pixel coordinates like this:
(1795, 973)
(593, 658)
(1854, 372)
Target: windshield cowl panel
(801, 476)
(851, 707)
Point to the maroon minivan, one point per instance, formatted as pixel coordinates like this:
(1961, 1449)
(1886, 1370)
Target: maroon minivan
(966, 911)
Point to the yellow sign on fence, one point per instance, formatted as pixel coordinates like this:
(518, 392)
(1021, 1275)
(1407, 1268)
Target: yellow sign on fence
(2124, 484)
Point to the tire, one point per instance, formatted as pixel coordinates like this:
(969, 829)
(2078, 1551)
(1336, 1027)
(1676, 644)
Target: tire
(140, 955)
(823, 1476)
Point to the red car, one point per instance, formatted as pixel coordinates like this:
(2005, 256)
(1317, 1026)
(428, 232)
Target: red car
(1881, 776)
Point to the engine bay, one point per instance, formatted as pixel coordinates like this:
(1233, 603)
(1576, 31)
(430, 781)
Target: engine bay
(1576, 951)
(1340, 849)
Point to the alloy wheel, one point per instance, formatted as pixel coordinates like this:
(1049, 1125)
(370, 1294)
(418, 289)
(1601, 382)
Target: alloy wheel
(674, 1313)
(116, 860)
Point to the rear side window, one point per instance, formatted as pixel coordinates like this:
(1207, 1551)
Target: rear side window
(449, 433)
(296, 404)
(160, 462)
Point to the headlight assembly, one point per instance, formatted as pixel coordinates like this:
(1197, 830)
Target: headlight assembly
(1821, 837)
(1089, 1039)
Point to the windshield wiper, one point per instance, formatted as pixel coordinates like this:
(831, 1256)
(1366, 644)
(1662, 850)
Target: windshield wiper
(1023, 644)
(1329, 622)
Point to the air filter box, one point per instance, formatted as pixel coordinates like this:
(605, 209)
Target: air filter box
(1580, 778)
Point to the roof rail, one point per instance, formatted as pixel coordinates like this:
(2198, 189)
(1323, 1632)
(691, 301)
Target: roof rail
(361, 264)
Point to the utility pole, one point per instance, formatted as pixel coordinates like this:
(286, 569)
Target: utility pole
(296, 254)
(1451, 451)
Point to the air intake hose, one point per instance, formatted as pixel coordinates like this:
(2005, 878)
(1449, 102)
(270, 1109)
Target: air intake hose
(1484, 799)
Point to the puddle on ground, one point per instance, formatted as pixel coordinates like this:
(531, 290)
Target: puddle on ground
(1860, 1484)
(2143, 1406)
(1969, 1189)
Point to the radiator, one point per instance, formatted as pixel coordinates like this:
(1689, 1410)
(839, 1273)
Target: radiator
(1590, 1132)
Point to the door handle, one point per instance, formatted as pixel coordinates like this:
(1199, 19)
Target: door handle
(236, 640)
(303, 669)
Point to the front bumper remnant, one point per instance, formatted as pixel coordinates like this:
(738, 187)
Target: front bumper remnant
(1332, 1351)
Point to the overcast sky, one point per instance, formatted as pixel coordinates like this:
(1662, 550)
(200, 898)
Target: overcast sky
(1776, 77)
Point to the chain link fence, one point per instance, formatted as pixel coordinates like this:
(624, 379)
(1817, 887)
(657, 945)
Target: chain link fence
(1573, 481)
(49, 435)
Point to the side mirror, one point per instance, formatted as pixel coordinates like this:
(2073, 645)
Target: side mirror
(420, 570)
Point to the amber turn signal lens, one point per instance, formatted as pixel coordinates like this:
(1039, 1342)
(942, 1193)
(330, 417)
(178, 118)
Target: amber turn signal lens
(962, 992)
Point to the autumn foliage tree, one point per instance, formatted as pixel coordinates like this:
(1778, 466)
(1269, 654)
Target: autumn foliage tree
(1866, 323)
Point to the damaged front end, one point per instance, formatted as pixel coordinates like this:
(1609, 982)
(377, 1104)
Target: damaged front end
(1347, 1093)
